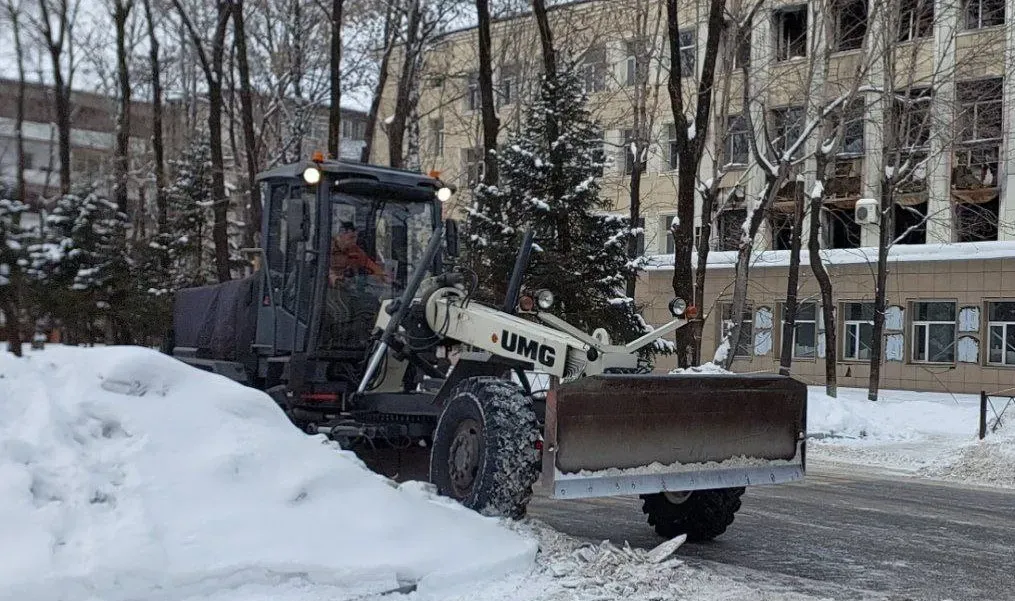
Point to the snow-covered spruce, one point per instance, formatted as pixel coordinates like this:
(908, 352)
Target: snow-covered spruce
(484, 452)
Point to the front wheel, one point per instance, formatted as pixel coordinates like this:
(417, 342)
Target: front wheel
(484, 447)
(701, 514)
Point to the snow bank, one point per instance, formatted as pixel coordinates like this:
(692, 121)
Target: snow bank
(705, 368)
(124, 472)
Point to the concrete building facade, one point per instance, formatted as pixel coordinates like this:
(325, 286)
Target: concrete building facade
(949, 64)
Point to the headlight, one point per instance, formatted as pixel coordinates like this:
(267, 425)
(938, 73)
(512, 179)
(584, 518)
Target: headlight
(444, 194)
(544, 298)
(677, 307)
(312, 175)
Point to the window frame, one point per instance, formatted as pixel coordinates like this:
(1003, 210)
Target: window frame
(858, 323)
(672, 155)
(473, 100)
(782, 127)
(728, 139)
(437, 136)
(784, 45)
(1004, 325)
(688, 52)
(796, 323)
(915, 323)
(909, 10)
(593, 67)
(979, 20)
(472, 162)
(842, 6)
(670, 246)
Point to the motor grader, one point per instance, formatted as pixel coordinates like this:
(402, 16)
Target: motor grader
(360, 325)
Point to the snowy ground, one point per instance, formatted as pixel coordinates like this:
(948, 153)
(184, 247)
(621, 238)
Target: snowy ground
(933, 435)
(126, 475)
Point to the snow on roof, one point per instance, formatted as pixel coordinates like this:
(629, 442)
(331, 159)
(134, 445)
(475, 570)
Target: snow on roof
(957, 251)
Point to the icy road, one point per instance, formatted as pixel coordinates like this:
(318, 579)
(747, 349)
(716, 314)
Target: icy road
(841, 536)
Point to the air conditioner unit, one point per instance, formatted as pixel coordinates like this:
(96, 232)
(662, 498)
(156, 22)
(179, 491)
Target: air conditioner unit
(866, 211)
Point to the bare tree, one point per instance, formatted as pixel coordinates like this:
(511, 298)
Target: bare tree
(491, 124)
(690, 147)
(335, 108)
(10, 295)
(120, 13)
(158, 144)
(211, 60)
(388, 45)
(250, 139)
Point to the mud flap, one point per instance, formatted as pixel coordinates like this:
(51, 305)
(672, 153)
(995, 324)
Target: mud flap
(637, 434)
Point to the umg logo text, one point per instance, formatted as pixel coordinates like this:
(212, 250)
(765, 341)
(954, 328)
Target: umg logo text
(530, 349)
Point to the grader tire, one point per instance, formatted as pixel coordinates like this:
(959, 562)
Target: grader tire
(484, 447)
(702, 515)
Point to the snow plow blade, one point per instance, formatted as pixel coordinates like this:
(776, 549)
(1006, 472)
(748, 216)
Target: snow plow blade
(615, 435)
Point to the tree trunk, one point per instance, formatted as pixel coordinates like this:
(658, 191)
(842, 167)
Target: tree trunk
(885, 230)
(707, 206)
(382, 80)
(792, 289)
(158, 146)
(55, 44)
(635, 216)
(545, 39)
(247, 117)
(220, 230)
(825, 285)
(335, 110)
(121, 12)
(690, 150)
(491, 124)
(396, 131)
(19, 106)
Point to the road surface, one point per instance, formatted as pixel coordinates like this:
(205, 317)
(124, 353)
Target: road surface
(840, 536)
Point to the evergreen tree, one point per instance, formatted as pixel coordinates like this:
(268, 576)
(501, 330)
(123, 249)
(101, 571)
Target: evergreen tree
(186, 242)
(551, 187)
(13, 259)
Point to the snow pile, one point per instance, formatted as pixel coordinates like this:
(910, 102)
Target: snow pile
(927, 434)
(124, 473)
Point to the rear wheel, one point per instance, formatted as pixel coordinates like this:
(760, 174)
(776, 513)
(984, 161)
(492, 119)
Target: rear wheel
(701, 514)
(484, 452)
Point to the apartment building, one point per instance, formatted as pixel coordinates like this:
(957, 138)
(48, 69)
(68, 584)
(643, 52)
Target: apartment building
(951, 321)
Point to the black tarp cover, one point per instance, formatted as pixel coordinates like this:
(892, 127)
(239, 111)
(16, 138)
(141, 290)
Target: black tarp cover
(219, 320)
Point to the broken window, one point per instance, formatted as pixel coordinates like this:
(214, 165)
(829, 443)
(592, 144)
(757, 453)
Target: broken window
(738, 142)
(593, 69)
(911, 223)
(730, 228)
(745, 342)
(911, 117)
(977, 222)
(933, 338)
(787, 125)
(781, 224)
(791, 32)
(916, 19)
(984, 13)
(980, 110)
(687, 53)
(858, 331)
(851, 143)
(842, 229)
(850, 24)
(1001, 333)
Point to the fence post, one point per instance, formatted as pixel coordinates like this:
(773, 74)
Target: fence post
(983, 414)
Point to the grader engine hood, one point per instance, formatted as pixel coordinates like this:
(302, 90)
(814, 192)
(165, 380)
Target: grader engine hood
(637, 434)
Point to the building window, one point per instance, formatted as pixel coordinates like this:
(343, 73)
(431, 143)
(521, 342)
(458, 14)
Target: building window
(473, 166)
(437, 137)
(912, 117)
(791, 32)
(742, 41)
(671, 246)
(933, 332)
(788, 126)
(672, 148)
(593, 69)
(744, 343)
(851, 143)
(858, 331)
(636, 63)
(508, 85)
(805, 331)
(1001, 333)
(29, 160)
(843, 230)
(473, 99)
(984, 13)
(980, 110)
(850, 24)
(916, 19)
(781, 223)
(630, 149)
(738, 141)
(730, 228)
(977, 221)
(911, 223)
(687, 53)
